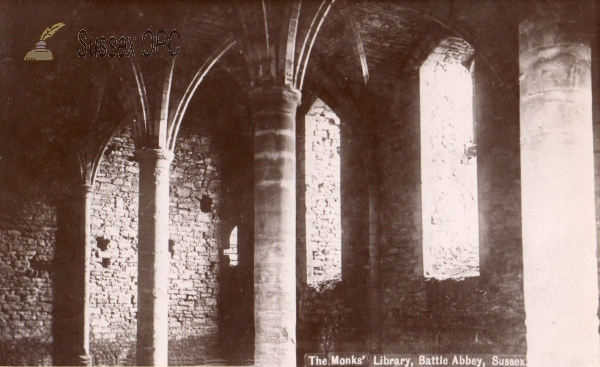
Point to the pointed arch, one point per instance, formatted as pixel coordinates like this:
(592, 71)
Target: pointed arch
(161, 130)
(88, 149)
(89, 161)
(134, 99)
(176, 115)
(309, 41)
(285, 59)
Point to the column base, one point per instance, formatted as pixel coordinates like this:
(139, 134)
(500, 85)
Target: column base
(84, 360)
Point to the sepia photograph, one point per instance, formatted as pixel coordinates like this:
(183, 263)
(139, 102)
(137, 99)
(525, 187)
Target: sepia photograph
(298, 183)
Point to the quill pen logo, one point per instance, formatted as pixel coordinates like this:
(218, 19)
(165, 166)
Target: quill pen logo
(41, 53)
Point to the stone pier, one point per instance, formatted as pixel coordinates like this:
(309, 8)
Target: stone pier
(82, 209)
(557, 170)
(153, 257)
(275, 225)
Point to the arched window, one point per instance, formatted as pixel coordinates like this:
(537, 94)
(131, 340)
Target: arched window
(322, 195)
(448, 163)
(232, 251)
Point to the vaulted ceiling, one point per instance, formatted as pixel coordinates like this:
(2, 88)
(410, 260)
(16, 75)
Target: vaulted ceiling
(361, 54)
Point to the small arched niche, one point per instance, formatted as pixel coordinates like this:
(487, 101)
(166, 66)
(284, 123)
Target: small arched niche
(232, 251)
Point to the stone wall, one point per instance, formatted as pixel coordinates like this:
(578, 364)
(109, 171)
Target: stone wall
(483, 314)
(334, 316)
(324, 316)
(480, 314)
(29, 233)
(27, 237)
(498, 173)
(113, 268)
(323, 307)
(193, 287)
(355, 226)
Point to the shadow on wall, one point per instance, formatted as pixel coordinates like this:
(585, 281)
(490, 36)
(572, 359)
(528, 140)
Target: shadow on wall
(478, 315)
(67, 287)
(236, 302)
(26, 240)
(189, 351)
(113, 353)
(25, 352)
(236, 315)
(326, 321)
(236, 268)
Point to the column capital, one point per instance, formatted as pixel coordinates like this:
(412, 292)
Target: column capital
(536, 15)
(287, 92)
(84, 360)
(83, 191)
(143, 155)
(275, 99)
(87, 190)
(555, 53)
(560, 280)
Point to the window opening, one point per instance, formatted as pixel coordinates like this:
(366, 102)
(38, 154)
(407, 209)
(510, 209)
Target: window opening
(449, 163)
(323, 195)
(232, 251)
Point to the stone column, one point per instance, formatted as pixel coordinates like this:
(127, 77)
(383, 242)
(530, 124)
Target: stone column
(81, 317)
(87, 196)
(275, 225)
(557, 175)
(153, 257)
(375, 298)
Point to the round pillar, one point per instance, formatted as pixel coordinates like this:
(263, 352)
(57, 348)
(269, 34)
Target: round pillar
(87, 192)
(153, 257)
(80, 347)
(557, 178)
(275, 225)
